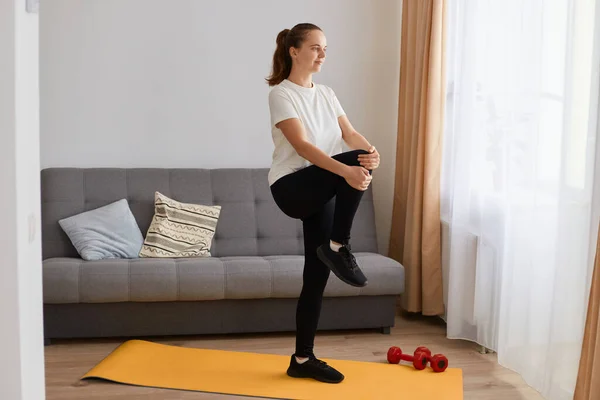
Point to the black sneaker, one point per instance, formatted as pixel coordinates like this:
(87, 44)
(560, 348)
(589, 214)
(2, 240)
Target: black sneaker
(314, 368)
(343, 264)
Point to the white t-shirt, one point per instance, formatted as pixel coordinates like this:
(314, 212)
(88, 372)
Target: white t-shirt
(318, 109)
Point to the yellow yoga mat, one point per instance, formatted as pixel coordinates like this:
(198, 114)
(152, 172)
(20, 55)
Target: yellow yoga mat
(142, 363)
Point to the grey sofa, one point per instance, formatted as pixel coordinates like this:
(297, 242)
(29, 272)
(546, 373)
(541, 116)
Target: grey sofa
(250, 283)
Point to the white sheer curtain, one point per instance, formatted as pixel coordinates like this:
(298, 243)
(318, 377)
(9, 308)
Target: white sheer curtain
(517, 179)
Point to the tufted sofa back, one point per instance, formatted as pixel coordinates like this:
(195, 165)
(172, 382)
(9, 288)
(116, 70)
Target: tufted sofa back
(250, 224)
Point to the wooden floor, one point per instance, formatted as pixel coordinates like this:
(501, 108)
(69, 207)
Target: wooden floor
(484, 379)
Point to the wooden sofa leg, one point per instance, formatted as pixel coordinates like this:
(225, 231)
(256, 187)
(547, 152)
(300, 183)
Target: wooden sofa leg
(385, 330)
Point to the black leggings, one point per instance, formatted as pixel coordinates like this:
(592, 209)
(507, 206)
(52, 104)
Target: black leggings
(326, 204)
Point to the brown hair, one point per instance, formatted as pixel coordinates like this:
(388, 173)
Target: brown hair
(282, 61)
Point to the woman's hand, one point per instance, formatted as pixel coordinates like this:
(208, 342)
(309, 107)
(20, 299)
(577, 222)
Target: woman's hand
(369, 161)
(358, 177)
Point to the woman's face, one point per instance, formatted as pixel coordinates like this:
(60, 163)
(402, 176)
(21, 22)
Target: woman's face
(311, 56)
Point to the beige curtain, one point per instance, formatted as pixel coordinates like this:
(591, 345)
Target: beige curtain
(588, 379)
(415, 237)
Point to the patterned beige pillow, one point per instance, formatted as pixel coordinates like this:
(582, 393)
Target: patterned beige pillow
(180, 229)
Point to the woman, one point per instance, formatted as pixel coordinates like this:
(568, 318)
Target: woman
(312, 180)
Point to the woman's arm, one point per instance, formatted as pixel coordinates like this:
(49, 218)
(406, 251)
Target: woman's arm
(354, 139)
(357, 141)
(294, 132)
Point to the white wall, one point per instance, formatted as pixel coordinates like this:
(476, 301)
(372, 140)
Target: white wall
(28, 204)
(21, 334)
(149, 83)
(10, 378)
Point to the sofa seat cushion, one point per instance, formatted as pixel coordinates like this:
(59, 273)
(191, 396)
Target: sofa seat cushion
(73, 280)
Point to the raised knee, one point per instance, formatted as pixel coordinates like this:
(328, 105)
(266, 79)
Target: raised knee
(350, 157)
(357, 152)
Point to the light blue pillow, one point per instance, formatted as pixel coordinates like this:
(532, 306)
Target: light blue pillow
(106, 232)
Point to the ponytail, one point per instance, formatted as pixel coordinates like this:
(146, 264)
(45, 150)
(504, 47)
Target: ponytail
(282, 61)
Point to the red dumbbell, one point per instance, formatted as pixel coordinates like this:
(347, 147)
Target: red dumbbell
(423, 349)
(419, 360)
(438, 362)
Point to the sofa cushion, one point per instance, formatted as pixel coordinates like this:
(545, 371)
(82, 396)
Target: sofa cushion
(180, 229)
(72, 280)
(109, 231)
